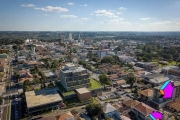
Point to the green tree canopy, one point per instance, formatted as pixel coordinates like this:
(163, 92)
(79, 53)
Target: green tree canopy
(130, 79)
(108, 59)
(104, 79)
(94, 109)
(1, 100)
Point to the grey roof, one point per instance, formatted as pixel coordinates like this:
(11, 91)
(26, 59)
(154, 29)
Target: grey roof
(49, 74)
(108, 108)
(169, 67)
(159, 79)
(42, 97)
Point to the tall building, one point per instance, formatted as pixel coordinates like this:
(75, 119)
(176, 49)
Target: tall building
(73, 77)
(102, 53)
(158, 102)
(70, 36)
(33, 49)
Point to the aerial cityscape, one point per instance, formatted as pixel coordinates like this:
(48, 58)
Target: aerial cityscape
(89, 60)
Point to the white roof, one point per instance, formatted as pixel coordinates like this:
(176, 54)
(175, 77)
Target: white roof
(49, 74)
(159, 80)
(42, 97)
(124, 118)
(76, 69)
(108, 108)
(69, 65)
(169, 67)
(82, 90)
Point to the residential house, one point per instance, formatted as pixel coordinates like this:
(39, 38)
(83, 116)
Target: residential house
(120, 82)
(31, 64)
(126, 59)
(125, 107)
(65, 116)
(158, 102)
(48, 118)
(3, 55)
(147, 65)
(172, 69)
(3, 60)
(113, 77)
(24, 53)
(108, 68)
(21, 59)
(174, 106)
(156, 79)
(50, 76)
(2, 67)
(146, 95)
(122, 74)
(110, 111)
(142, 111)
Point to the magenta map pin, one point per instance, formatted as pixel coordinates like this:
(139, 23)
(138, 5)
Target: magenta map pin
(167, 89)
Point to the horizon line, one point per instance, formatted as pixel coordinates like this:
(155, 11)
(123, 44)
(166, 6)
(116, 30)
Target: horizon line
(79, 31)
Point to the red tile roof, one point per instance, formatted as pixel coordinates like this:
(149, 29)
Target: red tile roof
(143, 108)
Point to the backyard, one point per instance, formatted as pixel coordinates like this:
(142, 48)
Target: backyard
(94, 84)
(63, 90)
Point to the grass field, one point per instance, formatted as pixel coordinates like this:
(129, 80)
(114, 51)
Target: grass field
(63, 90)
(94, 84)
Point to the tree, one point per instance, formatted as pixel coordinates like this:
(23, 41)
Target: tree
(15, 47)
(1, 100)
(55, 64)
(104, 79)
(26, 85)
(107, 118)
(130, 79)
(73, 111)
(108, 59)
(118, 48)
(36, 81)
(94, 109)
(90, 55)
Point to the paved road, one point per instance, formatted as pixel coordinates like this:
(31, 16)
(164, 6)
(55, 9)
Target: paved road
(7, 84)
(5, 109)
(16, 110)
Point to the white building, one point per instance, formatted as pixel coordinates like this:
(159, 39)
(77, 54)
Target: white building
(70, 36)
(102, 53)
(110, 111)
(73, 77)
(33, 50)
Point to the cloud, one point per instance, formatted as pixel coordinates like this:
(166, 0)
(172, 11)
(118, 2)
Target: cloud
(85, 5)
(70, 3)
(115, 21)
(46, 15)
(119, 13)
(68, 16)
(147, 18)
(122, 8)
(52, 9)
(27, 5)
(104, 13)
(84, 19)
(162, 23)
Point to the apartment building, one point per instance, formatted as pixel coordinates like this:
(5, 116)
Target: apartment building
(73, 77)
(174, 71)
(158, 102)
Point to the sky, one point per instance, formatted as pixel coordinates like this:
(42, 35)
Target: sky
(89, 15)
